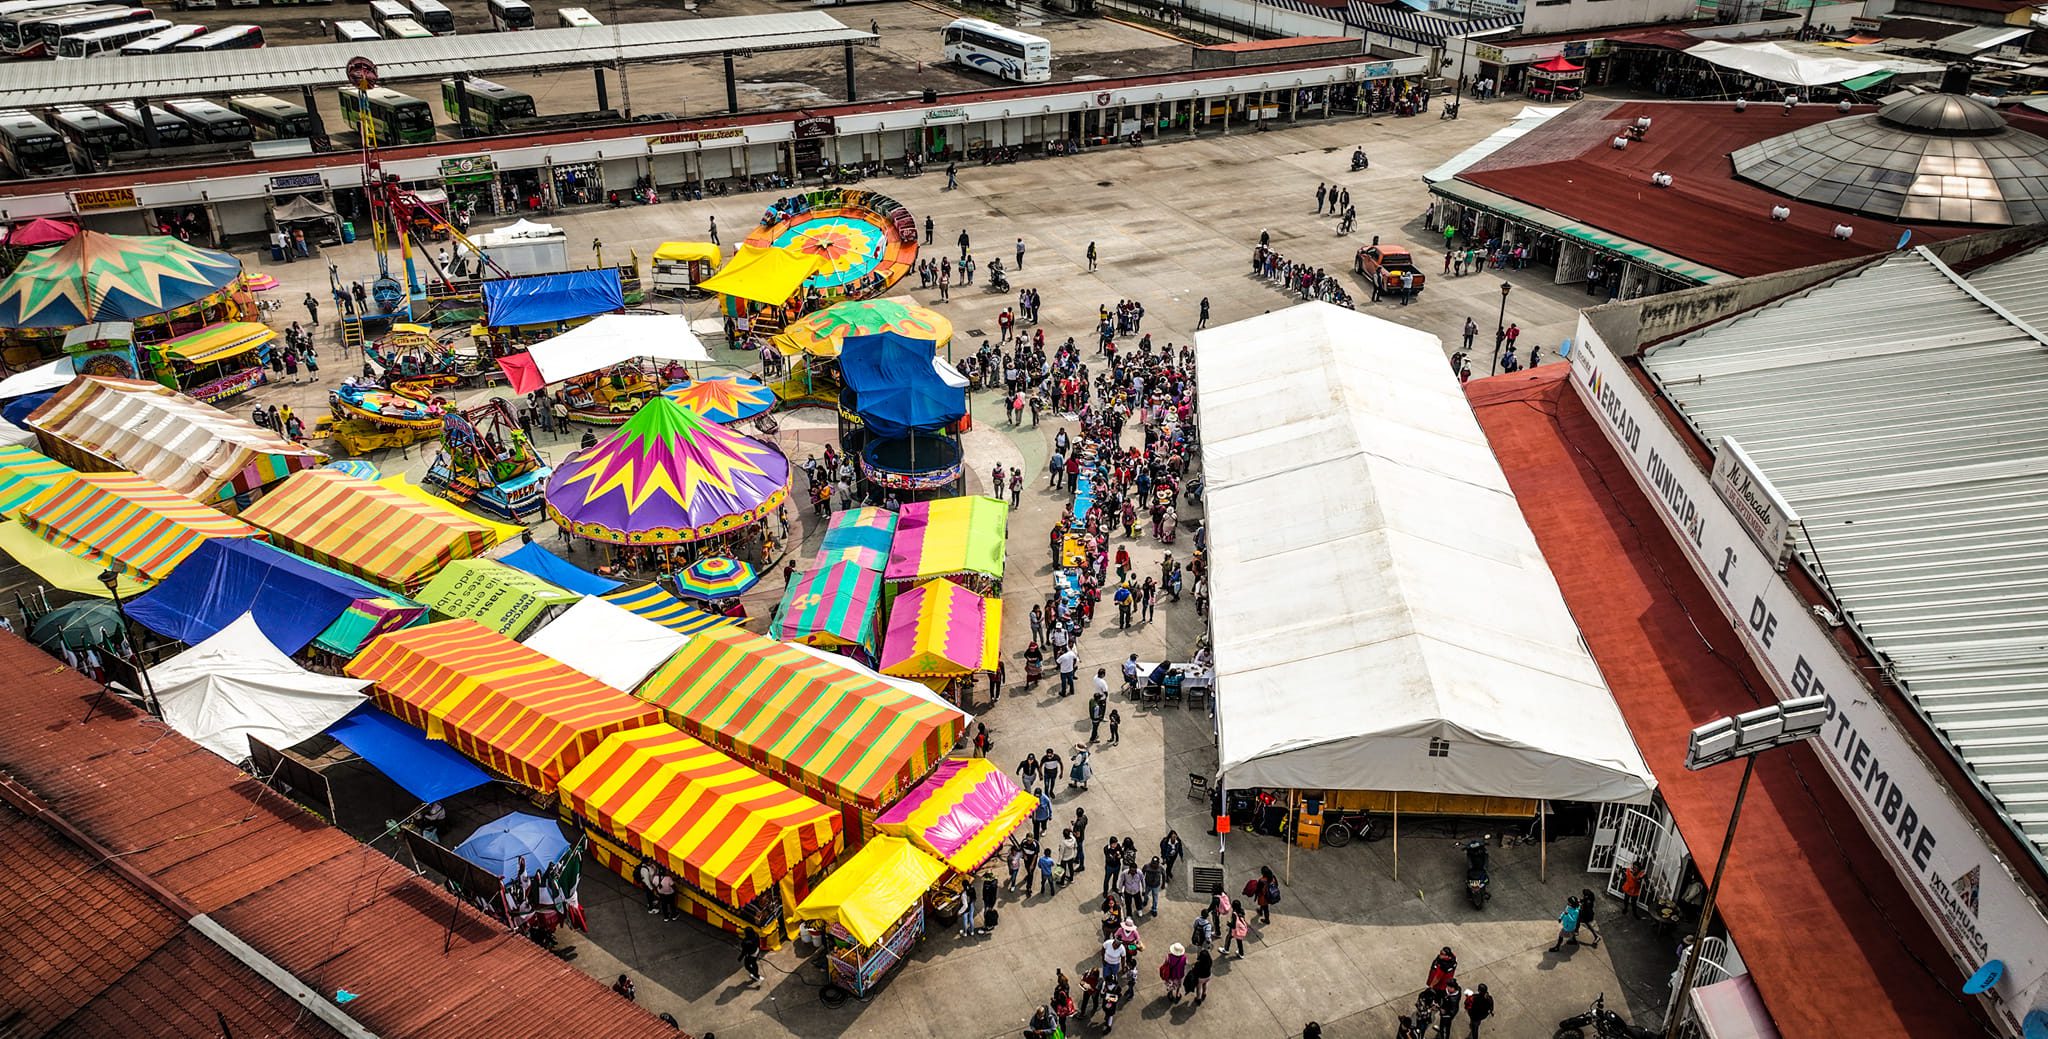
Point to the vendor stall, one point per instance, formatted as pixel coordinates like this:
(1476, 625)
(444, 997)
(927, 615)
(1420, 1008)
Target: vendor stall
(99, 423)
(832, 606)
(651, 602)
(960, 815)
(506, 600)
(873, 908)
(742, 846)
(861, 536)
(1555, 80)
(607, 642)
(364, 529)
(218, 362)
(940, 633)
(128, 523)
(292, 600)
(962, 538)
(507, 707)
(365, 619)
(162, 285)
(680, 267)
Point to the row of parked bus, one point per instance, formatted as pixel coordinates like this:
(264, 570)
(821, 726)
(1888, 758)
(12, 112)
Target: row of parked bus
(70, 138)
(89, 29)
(400, 118)
(418, 19)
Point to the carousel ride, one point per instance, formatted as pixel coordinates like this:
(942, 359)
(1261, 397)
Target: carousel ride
(161, 286)
(487, 462)
(901, 408)
(395, 402)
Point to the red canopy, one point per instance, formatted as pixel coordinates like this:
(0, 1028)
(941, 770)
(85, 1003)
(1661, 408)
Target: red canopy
(42, 231)
(1558, 64)
(521, 372)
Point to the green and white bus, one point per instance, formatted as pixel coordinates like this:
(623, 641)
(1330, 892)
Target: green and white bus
(273, 118)
(491, 106)
(397, 118)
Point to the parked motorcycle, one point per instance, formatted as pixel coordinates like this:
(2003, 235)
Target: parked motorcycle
(1477, 879)
(1448, 111)
(1605, 1023)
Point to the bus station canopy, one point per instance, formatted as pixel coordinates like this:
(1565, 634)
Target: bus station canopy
(961, 813)
(193, 448)
(722, 827)
(505, 706)
(1444, 661)
(831, 732)
(948, 537)
(128, 523)
(504, 599)
(831, 606)
(360, 528)
(763, 275)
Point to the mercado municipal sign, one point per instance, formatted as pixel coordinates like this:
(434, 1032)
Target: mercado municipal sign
(1981, 911)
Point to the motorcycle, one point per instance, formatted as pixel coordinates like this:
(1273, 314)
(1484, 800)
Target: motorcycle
(1449, 111)
(997, 280)
(1358, 160)
(1476, 877)
(1605, 1023)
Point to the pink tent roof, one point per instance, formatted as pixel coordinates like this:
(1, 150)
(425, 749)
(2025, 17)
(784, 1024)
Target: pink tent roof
(41, 231)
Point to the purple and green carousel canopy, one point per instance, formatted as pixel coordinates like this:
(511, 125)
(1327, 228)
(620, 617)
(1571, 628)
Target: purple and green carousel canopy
(103, 277)
(665, 478)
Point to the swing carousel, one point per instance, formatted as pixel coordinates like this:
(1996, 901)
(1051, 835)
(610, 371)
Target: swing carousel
(487, 463)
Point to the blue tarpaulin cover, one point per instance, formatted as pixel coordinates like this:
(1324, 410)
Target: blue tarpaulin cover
(21, 407)
(293, 600)
(427, 769)
(553, 297)
(896, 389)
(559, 572)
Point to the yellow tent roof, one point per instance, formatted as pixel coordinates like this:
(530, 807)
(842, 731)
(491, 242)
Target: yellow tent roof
(869, 891)
(60, 568)
(763, 275)
(500, 532)
(219, 342)
(684, 252)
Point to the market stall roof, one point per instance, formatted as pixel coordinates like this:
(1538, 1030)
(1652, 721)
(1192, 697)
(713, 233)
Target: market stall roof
(303, 207)
(1780, 65)
(1443, 627)
(961, 814)
(897, 386)
(831, 606)
(40, 232)
(426, 769)
(949, 536)
(218, 342)
(607, 642)
(510, 708)
(687, 252)
(147, 428)
(235, 684)
(557, 571)
(915, 690)
(27, 475)
(544, 299)
(873, 888)
(61, 569)
(722, 827)
(655, 604)
(939, 630)
(292, 600)
(128, 523)
(667, 477)
(1971, 42)
(500, 532)
(822, 333)
(364, 529)
(600, 343)
(103, 277)
(49, 375)
(835, 733)
(763, 275)
(862, 536)
(504, 599)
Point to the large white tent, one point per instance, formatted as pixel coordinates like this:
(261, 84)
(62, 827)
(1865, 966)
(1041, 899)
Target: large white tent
(607, 642)
(236, 684)
(1382, 618)
(1781, 65)
(607, 340)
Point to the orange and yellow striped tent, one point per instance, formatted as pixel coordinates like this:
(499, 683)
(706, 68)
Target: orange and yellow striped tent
(833, 733)
(513, 709)
(127, 522)
(724, 828)
(365, 530)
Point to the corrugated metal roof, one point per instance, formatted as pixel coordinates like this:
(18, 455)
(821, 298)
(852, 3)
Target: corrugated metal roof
(1983, 38)
(1903, 413)
(26, 83)
(2020, 285)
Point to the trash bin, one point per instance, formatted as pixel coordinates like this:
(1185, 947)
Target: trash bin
(276, 253)
(348, 231)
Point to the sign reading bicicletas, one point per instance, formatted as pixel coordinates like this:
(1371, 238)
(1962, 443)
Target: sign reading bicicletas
(1763, 512)
(98, 199)
(1957, 877)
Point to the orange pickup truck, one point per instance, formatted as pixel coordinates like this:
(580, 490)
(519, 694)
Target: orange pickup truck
(1384, 264)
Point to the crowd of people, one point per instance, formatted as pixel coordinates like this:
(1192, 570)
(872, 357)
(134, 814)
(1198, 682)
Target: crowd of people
(1305, 280)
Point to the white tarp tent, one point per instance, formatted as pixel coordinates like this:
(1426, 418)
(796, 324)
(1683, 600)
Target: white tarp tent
(236, 684)
(607, 642)
(610, 339)
(1382, 617)
(1531, 118)
(1779, 65)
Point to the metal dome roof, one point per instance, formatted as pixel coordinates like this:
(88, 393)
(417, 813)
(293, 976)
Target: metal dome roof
(1936, 158)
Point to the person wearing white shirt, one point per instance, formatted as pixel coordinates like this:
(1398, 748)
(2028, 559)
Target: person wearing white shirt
(1070, 662)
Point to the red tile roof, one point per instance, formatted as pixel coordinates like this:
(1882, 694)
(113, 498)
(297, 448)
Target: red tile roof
(332, 911)
(1803, 875)
(1569, 166)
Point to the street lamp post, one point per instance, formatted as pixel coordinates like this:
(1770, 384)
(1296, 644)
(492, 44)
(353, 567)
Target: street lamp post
(1500, 329)
(1720, 741)
(112, 579)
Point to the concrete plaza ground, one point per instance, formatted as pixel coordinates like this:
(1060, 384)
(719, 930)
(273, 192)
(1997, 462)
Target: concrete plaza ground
(1349, 947)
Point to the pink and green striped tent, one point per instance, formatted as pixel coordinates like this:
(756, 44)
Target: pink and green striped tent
(831, 607)
(861, 535)
(949, 537)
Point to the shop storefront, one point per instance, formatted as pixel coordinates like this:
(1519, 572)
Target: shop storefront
(577, 184)
(473, 187)
(111, 210)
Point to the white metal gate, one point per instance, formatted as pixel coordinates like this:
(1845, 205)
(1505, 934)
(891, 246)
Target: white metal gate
(1605, 829)
(1636, 843)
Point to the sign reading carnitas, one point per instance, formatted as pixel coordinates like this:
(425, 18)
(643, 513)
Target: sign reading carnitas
(1980, 909)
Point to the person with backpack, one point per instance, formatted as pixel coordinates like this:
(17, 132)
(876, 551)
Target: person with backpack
(1586, 915)
(1239, 928)
(1264, 891)
(1478, 1007)
(1567, 924)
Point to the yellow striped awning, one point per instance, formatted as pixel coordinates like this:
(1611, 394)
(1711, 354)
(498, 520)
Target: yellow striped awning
(218, 342)
(27, 477)
(128, 523)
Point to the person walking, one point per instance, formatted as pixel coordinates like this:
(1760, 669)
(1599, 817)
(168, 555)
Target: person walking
(1091, 257)
(1045, 862)
(1322, 192)
(1131, 885)
(1198, 975)
(1170, 850)
(1027, 773)
(1080, 828)
(1020, 253)
(952, 175)
(1041, 816)
(1471, 333)
(1098, 709)
(750, 954)
(1586, 915)
(1112, 865)
(1478, 1007)
(1174, 971)
(312, 308)
(1203, 321)
(1050, 766)
(1567, 924)
(1115, 719)
(963, 243)
(1155, 878)
(1239, 928)
(1264, 890)
(1069, 662)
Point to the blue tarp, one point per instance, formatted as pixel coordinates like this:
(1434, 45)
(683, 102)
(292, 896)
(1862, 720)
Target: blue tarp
(895, 388)
(427, 769)
(549, 298)
(559, 572)
(293, 600)
(18, 410)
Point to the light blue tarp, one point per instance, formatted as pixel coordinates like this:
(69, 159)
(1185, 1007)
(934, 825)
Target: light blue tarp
(549, 298)
(428, 769)
(895, 388)
(559, 572)
(293, 600)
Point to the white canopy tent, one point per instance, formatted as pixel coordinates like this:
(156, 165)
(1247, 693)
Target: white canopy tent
(607, 642)
(236, 684)
(1382, 618)
(1779, 65)
(610, 339)
(1530, 118)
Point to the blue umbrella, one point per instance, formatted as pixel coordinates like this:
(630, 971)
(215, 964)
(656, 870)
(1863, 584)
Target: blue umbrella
(501, 844)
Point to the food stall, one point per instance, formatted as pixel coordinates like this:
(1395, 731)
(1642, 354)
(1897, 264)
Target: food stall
(960, 815)
(873, 910)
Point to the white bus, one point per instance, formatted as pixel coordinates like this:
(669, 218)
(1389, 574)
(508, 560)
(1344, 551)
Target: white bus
(231, 38)
(434, 15)
(1004, 53)
(108, 40)
(576, 18)
(351, 31)
(163, 40)
(405, 29)
(382, 11)
(511, 15)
